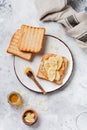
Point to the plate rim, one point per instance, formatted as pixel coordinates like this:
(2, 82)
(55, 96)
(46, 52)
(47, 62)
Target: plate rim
(61, 85)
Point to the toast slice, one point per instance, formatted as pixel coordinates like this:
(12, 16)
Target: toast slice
(32, 39)
(53, 68)
(13, 46)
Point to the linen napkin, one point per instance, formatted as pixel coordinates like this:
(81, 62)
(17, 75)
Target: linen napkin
(74, 23)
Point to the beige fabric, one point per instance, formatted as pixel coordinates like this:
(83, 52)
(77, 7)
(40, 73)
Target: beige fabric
(75, 23)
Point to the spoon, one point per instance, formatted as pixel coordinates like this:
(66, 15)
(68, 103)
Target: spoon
(30, 75)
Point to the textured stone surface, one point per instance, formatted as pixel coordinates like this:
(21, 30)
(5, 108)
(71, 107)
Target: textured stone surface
(57, 110)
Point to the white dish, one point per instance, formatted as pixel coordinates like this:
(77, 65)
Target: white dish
(51, 45)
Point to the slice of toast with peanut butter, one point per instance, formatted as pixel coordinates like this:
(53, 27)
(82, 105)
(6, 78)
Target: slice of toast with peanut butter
(53, 68)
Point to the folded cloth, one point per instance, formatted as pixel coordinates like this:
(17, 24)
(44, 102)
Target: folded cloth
(75, 23)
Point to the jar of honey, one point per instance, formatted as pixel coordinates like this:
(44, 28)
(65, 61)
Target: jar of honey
(15, 99)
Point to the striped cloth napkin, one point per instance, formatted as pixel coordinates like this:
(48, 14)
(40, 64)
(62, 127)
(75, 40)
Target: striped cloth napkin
(75, 23)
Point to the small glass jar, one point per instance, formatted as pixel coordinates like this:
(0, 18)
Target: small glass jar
(15, 99)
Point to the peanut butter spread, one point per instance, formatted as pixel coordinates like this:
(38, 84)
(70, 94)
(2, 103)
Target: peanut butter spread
(27, 69)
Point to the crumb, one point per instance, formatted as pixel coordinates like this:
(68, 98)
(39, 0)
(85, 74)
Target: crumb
(44, 108)
(56, 48)
(18, 90)
(39, 102)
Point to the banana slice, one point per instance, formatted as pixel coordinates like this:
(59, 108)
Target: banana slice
(46, 65)
(30, 120)
(53, 62)
(30, 117)
(57, 77)
(51, 74)
(59, 62)
(52, 65)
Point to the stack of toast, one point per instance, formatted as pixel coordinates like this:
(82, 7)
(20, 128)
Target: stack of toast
(26, 41)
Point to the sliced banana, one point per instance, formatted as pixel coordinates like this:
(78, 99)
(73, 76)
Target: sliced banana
(46, 65)
(59, 62)
(57, 57)
(51, 74)
(30, 120)
(57, 77)
(53, 62)
(52, 65)
(30, 117)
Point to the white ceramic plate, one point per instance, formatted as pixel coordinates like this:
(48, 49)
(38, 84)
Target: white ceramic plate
(51, 45)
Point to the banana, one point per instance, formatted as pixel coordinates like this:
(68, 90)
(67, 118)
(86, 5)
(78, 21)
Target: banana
(53, 62)
(59, 62)
(30, 117)
(57, 77)
(46, 65)
(52, 65)
(51, 74)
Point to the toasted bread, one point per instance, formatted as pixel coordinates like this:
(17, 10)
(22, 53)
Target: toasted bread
(32, 39)
(13, 46)
(43, 72)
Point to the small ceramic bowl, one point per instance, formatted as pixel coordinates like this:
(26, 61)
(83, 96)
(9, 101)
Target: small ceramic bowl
(26, 113)
(15, 99)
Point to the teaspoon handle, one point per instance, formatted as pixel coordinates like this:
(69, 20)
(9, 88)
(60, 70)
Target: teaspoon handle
(40, 87)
